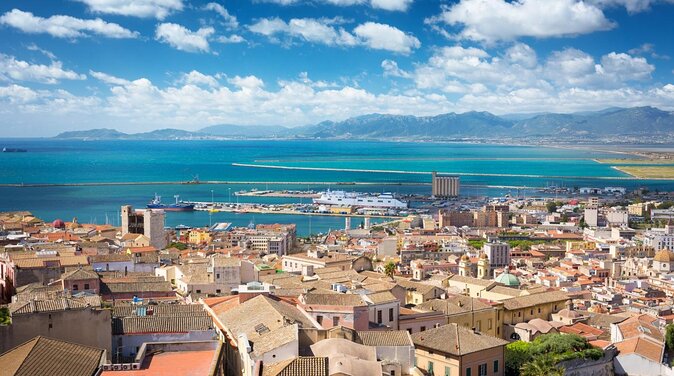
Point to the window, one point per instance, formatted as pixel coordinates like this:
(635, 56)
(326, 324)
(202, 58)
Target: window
(495, 366)
(51, 326)
(448, 371)
(489, 324)
(379, 317)
(75, 288)
(430, 367)
(335, 321)
(469, 371)
(390, 314)
(319, 318)
(217, 275)
(482, 369)
(531, 311)
(555, 307)
(86, 286)
(519, 314)
(423, 328)
(539, 309)
(198, 291)
(217, 291)
(479, 326)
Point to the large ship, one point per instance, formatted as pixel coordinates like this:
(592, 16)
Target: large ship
(178, 206)
(384, 200)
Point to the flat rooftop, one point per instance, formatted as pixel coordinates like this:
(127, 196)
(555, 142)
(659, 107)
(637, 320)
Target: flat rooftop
(181, 363)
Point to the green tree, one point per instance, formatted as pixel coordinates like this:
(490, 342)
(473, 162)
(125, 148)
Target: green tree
(516, 354)
(544, 365)
(177, 245)
(551, 206)
(390, 269)
(5, 318)
(669, 337)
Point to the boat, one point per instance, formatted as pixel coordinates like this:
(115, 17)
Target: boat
(342, 198)
(178, 206)
(13, 150)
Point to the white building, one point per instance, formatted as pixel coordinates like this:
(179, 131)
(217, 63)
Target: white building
(498, 254)
(660, 238)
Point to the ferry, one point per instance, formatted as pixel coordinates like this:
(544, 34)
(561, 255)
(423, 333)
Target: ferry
(178, 206)
(342, 198)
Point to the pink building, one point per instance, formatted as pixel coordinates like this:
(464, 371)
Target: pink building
(330, 310)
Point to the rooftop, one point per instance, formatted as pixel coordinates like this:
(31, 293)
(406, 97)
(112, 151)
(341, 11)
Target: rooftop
(46, 356)
(456, 340)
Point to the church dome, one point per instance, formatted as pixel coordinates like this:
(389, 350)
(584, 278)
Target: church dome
(58, 224)
(465, 258)
(508, 280)
(483, 256)
(664, 255)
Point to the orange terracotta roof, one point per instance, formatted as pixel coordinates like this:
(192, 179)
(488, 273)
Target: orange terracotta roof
(641, 345)
(181, 363)
(581, 329)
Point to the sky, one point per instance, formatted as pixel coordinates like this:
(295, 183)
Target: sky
(140, 65)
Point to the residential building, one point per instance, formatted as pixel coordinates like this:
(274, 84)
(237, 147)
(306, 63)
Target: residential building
(455, 350)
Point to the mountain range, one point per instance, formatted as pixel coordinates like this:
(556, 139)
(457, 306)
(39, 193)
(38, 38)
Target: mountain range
(611, 122)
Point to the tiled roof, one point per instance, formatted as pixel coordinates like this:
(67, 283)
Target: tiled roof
(39, 262)
(643, 346)
(54, 304)
(160, 310)
(160, 324)
(454, 305)
(46, 356)
(252, 316)
(640, 325)
(456, 340)
(352, 300)
(471, 280)
(79, 274)
(112, 257)
(274, 339)
(384, 338)
(112, 287)
(302, 366)
(382, 297)
(526, 301)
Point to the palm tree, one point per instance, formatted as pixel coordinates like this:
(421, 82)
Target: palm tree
(390, 268)
(541, 366)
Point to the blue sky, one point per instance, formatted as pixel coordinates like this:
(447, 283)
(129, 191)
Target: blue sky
(138, 65)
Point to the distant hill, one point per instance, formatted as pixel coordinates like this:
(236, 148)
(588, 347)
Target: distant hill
(228, 130)
(111, 134)
(102, 133)
(611, 122)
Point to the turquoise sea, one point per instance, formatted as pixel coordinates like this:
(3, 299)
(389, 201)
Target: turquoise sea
(491, 170)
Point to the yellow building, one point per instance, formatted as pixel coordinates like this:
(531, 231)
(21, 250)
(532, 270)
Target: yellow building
(524, 308)
(454, 350)
(485, 317)
(199, 237)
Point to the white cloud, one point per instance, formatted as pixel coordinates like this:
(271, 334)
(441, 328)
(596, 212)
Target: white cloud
(391, 69)
(500, 20)
(184, 39)
(397, 5)
(385, 37)
(308, 29)
(63, 26)
(108, 79)
(19, 70)
(370, 34)
(15, 93)
(229, 20)
(197, 78)
(390, 5)
(247, 83)
(632, 6)
(231, 39)
(34, 47)
(138, 8)
(463, 70)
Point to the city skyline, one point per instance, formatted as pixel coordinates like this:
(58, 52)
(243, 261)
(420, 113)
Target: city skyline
(138, 66)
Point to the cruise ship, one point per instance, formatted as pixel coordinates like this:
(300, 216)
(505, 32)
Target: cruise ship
(384, 200)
